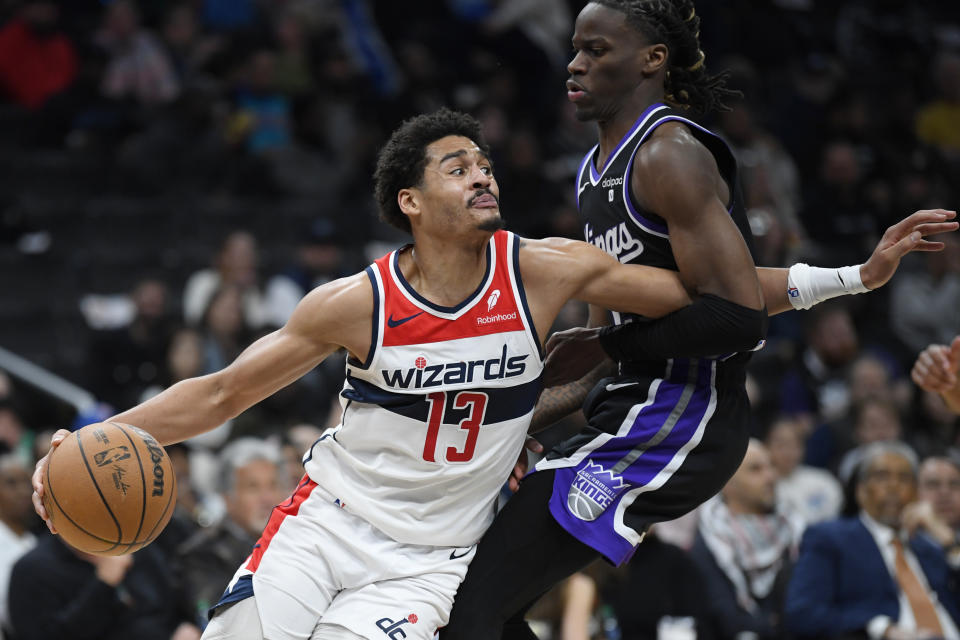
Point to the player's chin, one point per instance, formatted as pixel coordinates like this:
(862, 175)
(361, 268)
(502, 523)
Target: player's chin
(493, 223)
(584, 113)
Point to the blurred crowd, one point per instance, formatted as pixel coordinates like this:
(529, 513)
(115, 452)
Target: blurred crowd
(849, 120)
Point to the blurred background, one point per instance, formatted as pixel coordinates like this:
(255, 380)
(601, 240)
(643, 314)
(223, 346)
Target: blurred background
(175, 175)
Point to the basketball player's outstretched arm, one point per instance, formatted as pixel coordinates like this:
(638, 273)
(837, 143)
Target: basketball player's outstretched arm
(898, 240)
(678, 178)
(555, 270)
(332, 316)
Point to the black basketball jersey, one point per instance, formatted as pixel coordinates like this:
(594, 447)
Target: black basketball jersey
(612, 219)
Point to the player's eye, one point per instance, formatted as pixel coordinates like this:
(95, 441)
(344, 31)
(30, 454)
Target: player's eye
(487, 171)
(457, 172)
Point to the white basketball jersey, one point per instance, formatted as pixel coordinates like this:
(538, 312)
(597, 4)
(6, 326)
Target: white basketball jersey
(434, 418)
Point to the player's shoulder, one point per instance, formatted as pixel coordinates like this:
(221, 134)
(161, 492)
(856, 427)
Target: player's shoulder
(349, 296)
(672, 145)
(546, 249)
(552, 260)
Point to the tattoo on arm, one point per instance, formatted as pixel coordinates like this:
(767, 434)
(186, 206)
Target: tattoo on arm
(556, 403)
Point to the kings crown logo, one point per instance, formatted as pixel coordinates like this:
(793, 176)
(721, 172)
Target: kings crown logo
(593, 490)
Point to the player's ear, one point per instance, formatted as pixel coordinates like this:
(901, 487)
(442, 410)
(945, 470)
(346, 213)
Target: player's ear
(409, 201)
(654, 58)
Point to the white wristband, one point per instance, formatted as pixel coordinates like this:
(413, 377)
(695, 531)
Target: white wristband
(807, 286)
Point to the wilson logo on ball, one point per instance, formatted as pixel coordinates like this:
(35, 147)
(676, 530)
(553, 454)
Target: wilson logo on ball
(156, 457)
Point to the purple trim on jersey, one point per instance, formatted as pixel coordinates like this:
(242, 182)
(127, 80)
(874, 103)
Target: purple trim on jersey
(594, 174)
(600, 533)
(639, 219)
(645, 223)
(583, 163)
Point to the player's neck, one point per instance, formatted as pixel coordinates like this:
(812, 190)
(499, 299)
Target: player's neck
(613, 129)
(445, 272)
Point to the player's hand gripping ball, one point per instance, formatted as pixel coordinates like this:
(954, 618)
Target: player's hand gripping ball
(109, 489)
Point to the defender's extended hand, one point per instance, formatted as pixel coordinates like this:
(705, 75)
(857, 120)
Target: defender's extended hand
(38, 473)
(902, 238)
(937, 367)
(523, 463)
(572, 354)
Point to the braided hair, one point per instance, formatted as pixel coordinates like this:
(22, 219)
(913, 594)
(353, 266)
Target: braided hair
(676, 24)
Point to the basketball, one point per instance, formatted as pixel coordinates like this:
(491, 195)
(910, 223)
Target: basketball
(109, 489)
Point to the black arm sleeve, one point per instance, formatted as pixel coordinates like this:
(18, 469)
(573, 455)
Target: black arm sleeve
(710, 326)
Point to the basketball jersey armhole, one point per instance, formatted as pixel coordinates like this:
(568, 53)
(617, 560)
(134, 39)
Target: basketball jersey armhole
(512, 253)
(376, 321)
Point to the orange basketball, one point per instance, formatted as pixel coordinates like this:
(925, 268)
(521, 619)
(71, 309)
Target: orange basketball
(109, 489)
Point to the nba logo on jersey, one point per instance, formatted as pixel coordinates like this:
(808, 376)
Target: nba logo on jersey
(593, 490)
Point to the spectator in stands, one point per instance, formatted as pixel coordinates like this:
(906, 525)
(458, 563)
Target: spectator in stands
(125, 362)
(874, 420)
(229, 15)
(251, 474)
(262, 120)
(184, 359)
(744, 548)
(11, 427)
(659, 594)
(37, 60)
(868, 378)
(224, 329)
(138, 68)
(59, 592)
(295, 444)
(238, 264)
(770, 178)
(836, 212)
(864, 574)
(188, 49)
(294, 75)
(937, 509)
(938, 122)
(925, 302)
(186, 519)
(871, 377)
(816, 383)
(17, 524)
(813, 494)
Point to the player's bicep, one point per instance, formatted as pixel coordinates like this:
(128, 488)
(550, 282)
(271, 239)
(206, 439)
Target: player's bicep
(631, 288)
(681, 182)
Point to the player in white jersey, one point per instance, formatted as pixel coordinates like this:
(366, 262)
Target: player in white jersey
(444, 367)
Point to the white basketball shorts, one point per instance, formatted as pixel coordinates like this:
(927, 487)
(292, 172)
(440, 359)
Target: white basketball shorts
(318, 564)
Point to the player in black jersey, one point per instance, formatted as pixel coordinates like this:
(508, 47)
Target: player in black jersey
(668, 428)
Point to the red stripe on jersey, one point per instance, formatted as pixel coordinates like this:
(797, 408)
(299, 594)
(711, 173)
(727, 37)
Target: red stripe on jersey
(491, 313)
(289, 508)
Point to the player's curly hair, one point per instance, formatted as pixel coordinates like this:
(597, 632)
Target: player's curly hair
(676, 24)
(403, 158)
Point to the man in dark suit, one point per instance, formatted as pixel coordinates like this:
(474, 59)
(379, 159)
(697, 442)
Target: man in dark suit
(863, 575)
